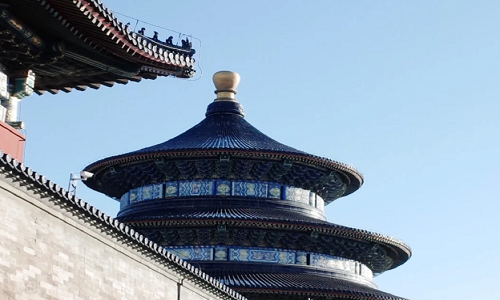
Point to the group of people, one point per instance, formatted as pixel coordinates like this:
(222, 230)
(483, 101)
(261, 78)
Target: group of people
(186, 44)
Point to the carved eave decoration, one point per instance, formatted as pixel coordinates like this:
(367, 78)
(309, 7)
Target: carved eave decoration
(79, 44)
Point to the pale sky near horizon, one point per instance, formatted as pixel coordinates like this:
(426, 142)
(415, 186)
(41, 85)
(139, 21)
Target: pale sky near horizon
(405, 91)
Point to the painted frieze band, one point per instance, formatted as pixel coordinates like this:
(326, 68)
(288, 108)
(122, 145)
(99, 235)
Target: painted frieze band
(194, 253)
(222, 188)
(272, 255)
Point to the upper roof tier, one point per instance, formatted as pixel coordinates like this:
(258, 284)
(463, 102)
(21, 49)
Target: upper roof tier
(224, 145)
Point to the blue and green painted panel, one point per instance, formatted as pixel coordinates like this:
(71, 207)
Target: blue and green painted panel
(196, 188)
(272, 255)
(262, 255)
(257, 189)
(193, 253)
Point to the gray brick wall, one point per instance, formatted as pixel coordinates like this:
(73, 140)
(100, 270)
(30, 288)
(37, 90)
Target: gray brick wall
(48, 253)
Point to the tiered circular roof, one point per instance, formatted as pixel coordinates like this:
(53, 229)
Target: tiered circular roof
(209, 190)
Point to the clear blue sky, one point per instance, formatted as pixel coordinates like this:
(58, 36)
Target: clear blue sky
(406, 91)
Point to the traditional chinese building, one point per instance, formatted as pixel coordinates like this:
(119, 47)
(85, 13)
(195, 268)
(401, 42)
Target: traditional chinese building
(249, 210)
(61, 45)
(52, 244)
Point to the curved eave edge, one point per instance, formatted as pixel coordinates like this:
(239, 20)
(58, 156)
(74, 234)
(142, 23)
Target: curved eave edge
(355, 177)
(330, 229)
(98, 83)
(114, 26)
(40, 185)
(104, 17)
(82, 86)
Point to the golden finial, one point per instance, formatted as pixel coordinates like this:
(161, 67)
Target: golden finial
(225, 85)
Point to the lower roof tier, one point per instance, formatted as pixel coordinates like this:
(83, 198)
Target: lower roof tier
(280, 283)
(266, 227)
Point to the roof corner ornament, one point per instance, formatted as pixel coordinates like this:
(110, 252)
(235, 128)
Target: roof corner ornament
(226, 83)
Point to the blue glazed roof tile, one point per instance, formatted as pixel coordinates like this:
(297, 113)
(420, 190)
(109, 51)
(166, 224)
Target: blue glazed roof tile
(316, 285)
(222, 131)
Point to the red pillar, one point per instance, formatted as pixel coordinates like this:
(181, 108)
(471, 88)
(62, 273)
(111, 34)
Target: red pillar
(11, 141)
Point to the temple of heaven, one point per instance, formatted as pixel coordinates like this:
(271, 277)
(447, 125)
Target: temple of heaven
(249, 210)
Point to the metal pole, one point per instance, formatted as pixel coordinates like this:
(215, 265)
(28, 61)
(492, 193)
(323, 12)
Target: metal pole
(72, 184)
(69, 183)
